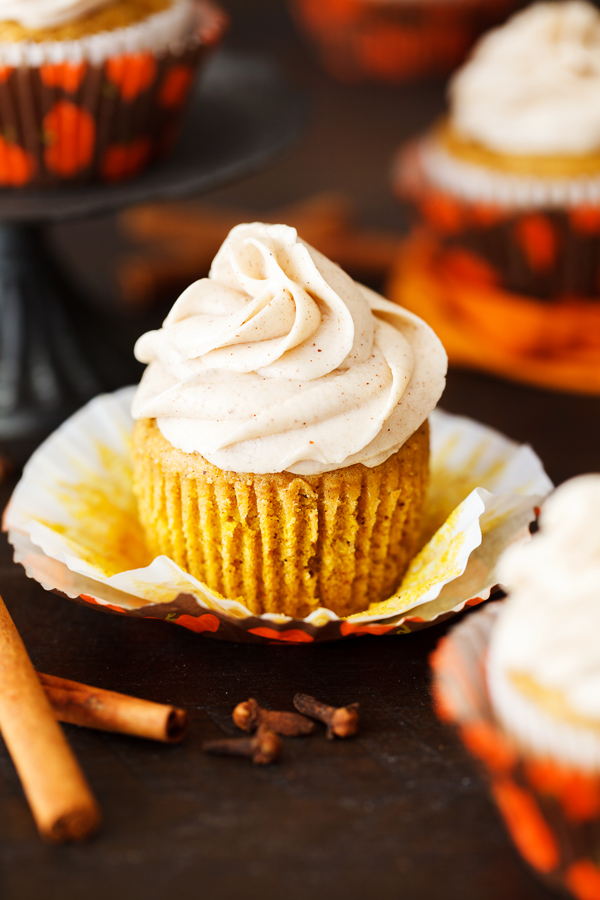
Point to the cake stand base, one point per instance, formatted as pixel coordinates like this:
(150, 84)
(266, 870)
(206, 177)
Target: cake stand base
(55, 351)
(49, 366)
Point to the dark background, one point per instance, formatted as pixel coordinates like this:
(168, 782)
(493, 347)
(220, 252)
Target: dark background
(399, 812)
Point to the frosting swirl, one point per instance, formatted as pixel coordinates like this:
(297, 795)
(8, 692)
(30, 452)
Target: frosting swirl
(546, 629)
(47, 13)
(279, 361)
(532, 86)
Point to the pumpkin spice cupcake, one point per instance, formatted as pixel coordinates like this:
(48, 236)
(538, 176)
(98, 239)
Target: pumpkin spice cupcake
(503, 260)
(95, 89)
(281, 449)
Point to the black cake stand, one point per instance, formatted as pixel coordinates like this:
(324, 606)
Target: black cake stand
(55, 352)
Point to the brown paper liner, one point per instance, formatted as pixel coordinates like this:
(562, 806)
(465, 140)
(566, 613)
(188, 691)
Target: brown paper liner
(284, 543)
(395, 41)
(552, 345)
(551, 810)
(79, 122)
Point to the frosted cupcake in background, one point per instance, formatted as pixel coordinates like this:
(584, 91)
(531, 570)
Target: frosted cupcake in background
(544, 659)
(506, 191)
(395, 40)
(536, 722)
(95, 89)
(281, 452)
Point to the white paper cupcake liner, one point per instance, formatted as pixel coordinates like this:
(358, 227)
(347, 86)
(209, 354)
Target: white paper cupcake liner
(159, 33)
(73, 523)
(479, 184)
(537, 732)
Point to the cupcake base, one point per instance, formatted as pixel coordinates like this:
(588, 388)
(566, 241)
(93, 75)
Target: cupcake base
(284, 543)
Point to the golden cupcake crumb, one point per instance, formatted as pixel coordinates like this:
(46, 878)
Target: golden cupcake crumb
(284, 543)
(551, 166)
(551, 700)
(118, 14)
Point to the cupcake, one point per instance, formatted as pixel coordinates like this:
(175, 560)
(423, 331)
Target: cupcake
(504, 256)
(540, 734)
(95, 89)
(544, 658)
(395, 40)
(281, 443)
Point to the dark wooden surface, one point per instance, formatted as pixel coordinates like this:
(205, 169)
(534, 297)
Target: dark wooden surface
(399, 812)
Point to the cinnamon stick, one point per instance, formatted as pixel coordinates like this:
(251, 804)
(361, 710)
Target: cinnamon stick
(81, 704)
(61, 802)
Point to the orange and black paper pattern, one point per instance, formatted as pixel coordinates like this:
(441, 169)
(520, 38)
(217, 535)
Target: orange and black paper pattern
(551, 344)
(547, 254)
(395, 41)
(77, 122)
(551, 811)
(511, 291)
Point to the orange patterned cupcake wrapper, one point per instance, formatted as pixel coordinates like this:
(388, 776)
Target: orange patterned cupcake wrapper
(539, 238)
(550, 344)
(395, 42)
(81, 121)
(551, 810)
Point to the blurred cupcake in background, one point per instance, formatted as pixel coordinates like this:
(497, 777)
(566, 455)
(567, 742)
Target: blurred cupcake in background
(395, 40)
(522, 680)
(95, 89)
(504, 259)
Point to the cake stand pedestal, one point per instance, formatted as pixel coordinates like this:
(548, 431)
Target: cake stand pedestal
(56, 351)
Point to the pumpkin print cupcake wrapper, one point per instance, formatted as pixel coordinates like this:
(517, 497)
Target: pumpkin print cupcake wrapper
(395, 40)
(551, 810)
(73, 523)
(509, 288)
(553, 344)
(76, 119)
(544, 244)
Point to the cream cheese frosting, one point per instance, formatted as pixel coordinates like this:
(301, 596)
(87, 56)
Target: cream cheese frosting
(546, 630)
(47, 13)
(532, 86)
(279, 361)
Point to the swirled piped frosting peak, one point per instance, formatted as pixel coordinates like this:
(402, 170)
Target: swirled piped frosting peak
(546, 631)
(531, 86)
(279, 361)
(47, 13)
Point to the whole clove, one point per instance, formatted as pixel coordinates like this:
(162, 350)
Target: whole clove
(264, 748)
(341, 722)
(249, 716)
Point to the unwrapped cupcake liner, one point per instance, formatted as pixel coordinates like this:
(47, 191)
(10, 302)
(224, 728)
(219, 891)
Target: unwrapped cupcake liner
(538, 237)
(73, 524)
(395, 40)
(551, 809)
(104, 106)
(480, 184)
